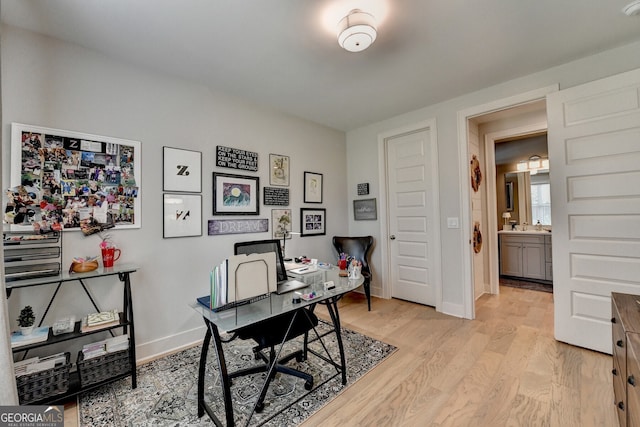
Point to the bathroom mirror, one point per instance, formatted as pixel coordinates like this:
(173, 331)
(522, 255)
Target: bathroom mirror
(527, 197)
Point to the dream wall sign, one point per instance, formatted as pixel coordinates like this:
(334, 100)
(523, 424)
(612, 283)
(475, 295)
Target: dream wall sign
(72, 180)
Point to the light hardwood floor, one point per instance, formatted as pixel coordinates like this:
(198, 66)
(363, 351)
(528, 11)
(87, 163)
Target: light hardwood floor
(502, 369)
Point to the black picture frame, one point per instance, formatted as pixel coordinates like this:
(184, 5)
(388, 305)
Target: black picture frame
(313, 187)
(313, 222)
(235, 194)
(365, 209)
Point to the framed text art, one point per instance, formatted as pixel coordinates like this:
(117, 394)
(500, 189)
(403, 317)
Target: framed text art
(182, 215)
(313, 222)
(181, 170)
(235, 194)
(312, 187)
(73, 180)
(278, 170)
(365, 209)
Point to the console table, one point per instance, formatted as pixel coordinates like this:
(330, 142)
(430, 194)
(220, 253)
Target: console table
(122, 271)
(249, 314)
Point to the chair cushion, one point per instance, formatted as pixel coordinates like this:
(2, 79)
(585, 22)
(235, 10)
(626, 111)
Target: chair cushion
(271, 331)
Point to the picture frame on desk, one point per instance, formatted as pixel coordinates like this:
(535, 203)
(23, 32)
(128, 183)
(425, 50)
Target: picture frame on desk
(313, 222)
(235, 194)
(181, 170)
(182, 215)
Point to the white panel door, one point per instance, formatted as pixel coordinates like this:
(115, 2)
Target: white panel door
(594, 150)
(411, 202)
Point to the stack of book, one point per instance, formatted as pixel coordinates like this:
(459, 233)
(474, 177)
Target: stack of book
(109, 345)
(96, 321)
(37, 364)
(37, 335)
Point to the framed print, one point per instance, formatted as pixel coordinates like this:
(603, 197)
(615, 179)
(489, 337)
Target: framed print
(281, 223)
(235, 194)
(312, 187)
(312, 222)
(182, 215)
(365, 209)
(66, 180)
(181, 170)
(278, 170)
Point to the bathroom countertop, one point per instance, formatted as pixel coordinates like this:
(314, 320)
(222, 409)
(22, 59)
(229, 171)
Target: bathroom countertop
(524, 232)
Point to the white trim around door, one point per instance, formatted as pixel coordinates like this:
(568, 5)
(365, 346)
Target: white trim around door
(465, 205)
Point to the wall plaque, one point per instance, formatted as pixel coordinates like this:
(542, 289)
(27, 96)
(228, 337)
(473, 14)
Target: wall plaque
(235, 158)
(237, 226)
(276, 196)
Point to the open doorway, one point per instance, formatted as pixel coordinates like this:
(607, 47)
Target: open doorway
(505, 141)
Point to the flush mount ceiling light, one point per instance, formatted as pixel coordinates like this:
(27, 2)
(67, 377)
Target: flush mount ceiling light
(632, 8)
(356, 31)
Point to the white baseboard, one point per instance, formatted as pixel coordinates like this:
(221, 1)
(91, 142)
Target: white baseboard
(451, 309)
(167, 345)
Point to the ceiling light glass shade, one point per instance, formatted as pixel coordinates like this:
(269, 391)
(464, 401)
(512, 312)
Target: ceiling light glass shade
(632, 8)
(522, 166)
(356, 31)
(534, 162)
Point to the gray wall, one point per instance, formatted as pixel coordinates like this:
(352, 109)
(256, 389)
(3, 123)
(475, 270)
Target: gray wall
(54, 84)
(362, 149)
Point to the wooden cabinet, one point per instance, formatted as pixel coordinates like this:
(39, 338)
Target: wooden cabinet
(625, 321)
(524, 255)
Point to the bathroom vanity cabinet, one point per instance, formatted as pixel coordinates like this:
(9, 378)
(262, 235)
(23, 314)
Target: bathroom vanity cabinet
(526, 255)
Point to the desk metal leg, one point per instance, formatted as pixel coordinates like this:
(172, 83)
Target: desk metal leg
(212, 330)
(128, 313)
(332, 307)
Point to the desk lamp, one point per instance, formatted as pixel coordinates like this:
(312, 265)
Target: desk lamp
(506, 216)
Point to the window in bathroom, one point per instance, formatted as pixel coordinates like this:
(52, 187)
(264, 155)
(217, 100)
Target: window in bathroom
(541, 203)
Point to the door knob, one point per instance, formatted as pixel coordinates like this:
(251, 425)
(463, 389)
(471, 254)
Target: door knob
(392, 237)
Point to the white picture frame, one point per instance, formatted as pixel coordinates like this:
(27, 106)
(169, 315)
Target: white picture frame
(182, 215)
(181, 170)
(67, 165)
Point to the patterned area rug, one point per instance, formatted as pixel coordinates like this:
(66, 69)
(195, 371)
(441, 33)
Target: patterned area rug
(167, 388)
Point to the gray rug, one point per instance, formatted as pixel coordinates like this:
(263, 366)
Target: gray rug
(531, 285)
(167, 388)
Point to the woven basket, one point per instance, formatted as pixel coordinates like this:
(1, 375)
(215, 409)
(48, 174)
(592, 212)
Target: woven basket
(41, 385)
(103, 367)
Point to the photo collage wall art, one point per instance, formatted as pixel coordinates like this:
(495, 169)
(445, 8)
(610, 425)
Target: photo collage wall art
(71, 183)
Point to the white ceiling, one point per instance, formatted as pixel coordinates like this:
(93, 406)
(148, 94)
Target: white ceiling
(278, 52)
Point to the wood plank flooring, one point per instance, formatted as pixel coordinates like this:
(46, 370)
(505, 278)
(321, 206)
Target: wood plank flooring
(502, 369)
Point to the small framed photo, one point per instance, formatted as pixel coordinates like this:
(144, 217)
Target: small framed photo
(365, 209)
(181, 170)
(312, 187)
(235, 194)
(279, 170)
(182, 215)
(313, 222)
(281, 223)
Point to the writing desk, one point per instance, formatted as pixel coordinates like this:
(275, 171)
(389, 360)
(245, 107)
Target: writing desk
(233, 319)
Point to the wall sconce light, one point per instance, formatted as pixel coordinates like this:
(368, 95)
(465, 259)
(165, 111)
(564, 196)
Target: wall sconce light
(357, 31)
(535, 162)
